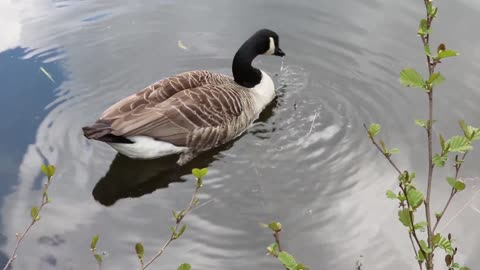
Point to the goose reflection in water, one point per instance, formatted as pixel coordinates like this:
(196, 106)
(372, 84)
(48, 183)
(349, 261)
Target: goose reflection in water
(133, 178)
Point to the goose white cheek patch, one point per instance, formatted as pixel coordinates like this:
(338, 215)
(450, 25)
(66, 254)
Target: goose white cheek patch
(271, 48)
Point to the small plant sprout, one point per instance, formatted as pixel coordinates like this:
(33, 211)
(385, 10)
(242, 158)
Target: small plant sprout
(48, 171)
(93, 249)
(178, 229)
(184, 266)
(411, 199)
(275, 249)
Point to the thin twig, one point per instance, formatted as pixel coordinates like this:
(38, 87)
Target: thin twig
(276, 235)
(461, 210)
(43, 202)
(458, 166)
(372, 139)
(191, 205)
(412, 224)
(381, 151)
(415, 250)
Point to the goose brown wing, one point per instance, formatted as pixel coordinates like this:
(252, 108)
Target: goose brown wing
(207, 108)
(162, 90)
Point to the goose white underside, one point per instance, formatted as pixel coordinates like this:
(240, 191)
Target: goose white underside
(144, 147)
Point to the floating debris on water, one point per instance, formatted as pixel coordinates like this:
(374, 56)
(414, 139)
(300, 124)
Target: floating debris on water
(181, 46)
(47, 74)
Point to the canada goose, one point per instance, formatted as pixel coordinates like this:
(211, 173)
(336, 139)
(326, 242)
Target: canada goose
(193, 111)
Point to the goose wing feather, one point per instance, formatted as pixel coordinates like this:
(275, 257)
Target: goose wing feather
(179, 108)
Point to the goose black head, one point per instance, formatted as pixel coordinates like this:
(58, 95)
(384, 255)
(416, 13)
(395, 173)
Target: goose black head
(267, 42)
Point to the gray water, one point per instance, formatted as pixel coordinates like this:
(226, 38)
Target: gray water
(306, 163)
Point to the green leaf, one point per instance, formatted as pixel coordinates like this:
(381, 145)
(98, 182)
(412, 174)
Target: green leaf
(458, 144)
(414, 198)
(464, 268)
(273, 249)
(420, 225)
(425, 247)
(451, 181)
(374, 129)
(49, 170)
(93, 244)
(436, 239)
(420, 257)
(409, 77)
(421, 122)
(447, 53)
(391, 195)
(184, 266)
(182, 230)
(34, 213)
(404, 217)
(99, 258)
(174, 214)
(301, 267)
(442, 143)
(445, 245)
(470, 132)
(275, 226)
(423, 28)
(139, 250)
(394, 151)
(456, 265)
(199, 173)
(431, 10)
(287, 260)
(439, 161)
(436, 79)
(427, 50)
(458, 185)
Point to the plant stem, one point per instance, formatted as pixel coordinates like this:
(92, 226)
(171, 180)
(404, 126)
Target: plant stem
(431, 68)
(191, 205)
(381, 151)
(412, 225)
(458, 166)
(43, 202)
(276, 235)
(415, 250)
(412, 233)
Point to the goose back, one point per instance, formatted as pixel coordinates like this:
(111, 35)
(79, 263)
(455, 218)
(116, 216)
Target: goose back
(198, 110)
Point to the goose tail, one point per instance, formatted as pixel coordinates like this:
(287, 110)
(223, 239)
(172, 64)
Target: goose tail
(101, 131)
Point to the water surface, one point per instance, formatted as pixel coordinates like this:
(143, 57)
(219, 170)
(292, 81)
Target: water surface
(306, 163)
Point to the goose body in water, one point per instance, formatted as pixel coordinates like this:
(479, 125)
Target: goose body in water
(193, 111)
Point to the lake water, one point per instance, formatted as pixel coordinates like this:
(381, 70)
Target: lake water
(307, 163)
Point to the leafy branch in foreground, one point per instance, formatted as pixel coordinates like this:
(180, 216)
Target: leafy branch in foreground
(48, 171)
(275, 249)
(177, 230)
(410, 198)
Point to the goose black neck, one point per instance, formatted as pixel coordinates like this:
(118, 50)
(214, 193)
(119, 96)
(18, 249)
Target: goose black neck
(243, 72)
